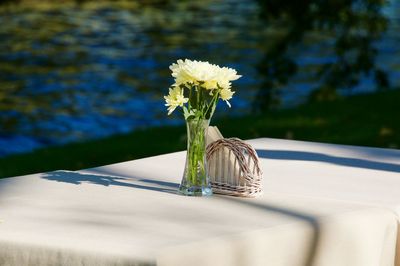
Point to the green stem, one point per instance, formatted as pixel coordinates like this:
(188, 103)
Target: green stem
(196, 172)
(198, 97)
(212, 104)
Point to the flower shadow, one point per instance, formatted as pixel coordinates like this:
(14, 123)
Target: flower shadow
(78, 178)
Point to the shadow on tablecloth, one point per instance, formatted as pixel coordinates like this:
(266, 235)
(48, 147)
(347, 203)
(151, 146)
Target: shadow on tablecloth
(108, 180)
(320, 157)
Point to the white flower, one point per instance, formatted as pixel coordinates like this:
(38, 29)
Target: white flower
(225, 95)
(210, 84)
(225, 75)
(174, 99)
(210, 76)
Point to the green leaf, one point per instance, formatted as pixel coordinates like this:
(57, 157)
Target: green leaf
(188, 114)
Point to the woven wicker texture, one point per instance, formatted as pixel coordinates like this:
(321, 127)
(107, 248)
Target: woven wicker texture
(234, 168)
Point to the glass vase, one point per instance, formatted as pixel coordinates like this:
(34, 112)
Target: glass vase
(195, 181)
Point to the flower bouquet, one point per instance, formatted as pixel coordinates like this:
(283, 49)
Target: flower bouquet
(198, 87)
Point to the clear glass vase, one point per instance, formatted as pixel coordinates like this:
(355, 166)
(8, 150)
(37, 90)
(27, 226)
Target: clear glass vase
(195, 181)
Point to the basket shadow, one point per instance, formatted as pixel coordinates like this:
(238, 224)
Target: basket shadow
(320, 157)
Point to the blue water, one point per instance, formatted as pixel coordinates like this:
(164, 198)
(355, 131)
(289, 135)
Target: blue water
(73, 73)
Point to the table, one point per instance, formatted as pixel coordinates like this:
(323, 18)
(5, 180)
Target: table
(323, 205)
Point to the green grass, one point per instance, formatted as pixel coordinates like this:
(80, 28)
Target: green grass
(366, 120)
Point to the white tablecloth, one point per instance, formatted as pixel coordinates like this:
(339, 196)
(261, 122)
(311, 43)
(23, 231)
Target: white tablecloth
(323, 205)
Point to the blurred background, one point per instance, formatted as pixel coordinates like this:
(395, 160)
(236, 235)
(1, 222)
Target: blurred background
(82, 82)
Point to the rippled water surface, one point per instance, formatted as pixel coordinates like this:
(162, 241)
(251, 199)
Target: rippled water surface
(75, 72)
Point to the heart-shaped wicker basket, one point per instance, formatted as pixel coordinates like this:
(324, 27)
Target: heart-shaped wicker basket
(234, 168)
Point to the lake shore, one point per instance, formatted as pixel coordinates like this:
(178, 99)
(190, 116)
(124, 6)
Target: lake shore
(365, 120)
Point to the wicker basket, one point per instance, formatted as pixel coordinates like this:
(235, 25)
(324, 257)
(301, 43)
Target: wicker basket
(234, 168)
